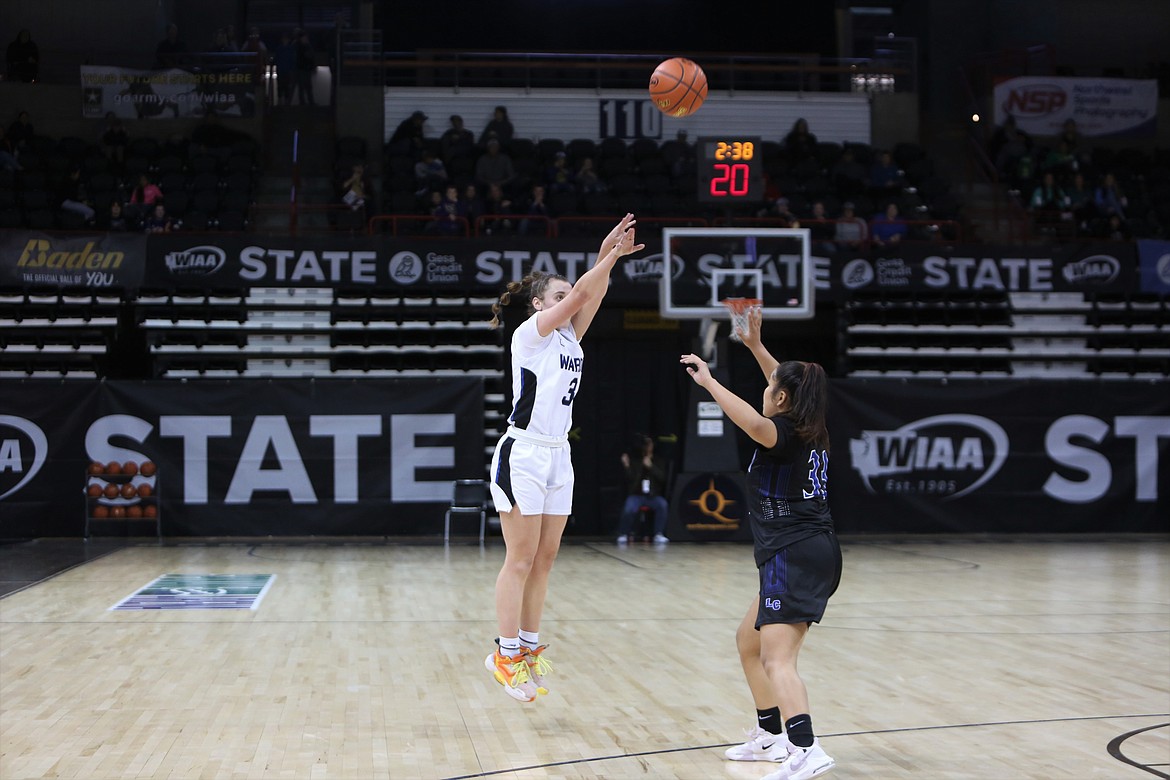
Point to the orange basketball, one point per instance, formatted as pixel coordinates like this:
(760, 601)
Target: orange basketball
(678, 86)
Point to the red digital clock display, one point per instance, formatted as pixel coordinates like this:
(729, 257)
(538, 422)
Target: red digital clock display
(730, 170)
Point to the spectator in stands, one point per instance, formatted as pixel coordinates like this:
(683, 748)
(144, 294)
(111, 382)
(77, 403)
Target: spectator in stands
(799, 143)
(284, 57)
(1008, 148)
(233, 39)
(1116, 229)
(220, 44)
(457, 140)
(255, 44)
(888, 229)
(354, 190)
(822, 230)
(498, 205)
(780, 212)
(9, 159)
(885, 178)
(473, 204)
(114, 139)
(429, 173)
(1070, 134)
(170, 50)
(1061, 161)
(586, 178)
(494, 166)
(646, 486)
(851, 232)
(21, 132)
(72, 196)
(450, 215)
(143, 197)
(1049, 203)
(848, 175)
(1080, 203)
(158, 221)
(536, 207)
(557, 176)
(1109, 198)
(409, 134)
(116, 219)
(499, 128)
(24, 58)
(305, 70)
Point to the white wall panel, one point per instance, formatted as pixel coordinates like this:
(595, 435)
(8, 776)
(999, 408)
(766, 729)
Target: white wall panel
(568, 114)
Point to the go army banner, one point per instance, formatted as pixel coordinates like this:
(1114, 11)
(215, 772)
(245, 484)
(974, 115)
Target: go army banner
(236, 458)
(223, 86)
(1000, 457)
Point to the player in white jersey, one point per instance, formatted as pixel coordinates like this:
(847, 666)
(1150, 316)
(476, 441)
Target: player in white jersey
(531, 471)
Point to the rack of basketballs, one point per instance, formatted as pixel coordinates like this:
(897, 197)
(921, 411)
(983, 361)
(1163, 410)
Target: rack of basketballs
(122, 492)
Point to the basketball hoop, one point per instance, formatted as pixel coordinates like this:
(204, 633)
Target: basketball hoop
(739, 309)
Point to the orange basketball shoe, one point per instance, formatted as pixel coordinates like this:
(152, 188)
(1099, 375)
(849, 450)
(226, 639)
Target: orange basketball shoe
(512, 673)
(538, 668)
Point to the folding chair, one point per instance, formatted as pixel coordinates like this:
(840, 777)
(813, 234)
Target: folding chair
(469, 497)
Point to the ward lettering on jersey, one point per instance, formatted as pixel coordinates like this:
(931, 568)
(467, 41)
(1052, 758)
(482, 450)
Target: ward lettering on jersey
(570, 363)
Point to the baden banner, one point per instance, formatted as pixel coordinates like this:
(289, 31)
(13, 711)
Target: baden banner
(1000, 457)
(243, 458)
(94, 261)
(1100, 106)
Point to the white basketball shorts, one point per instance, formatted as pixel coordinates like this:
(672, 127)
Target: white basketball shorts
(532, 473)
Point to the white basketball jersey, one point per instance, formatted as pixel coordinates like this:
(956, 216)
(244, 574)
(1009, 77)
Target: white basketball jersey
(546, 377)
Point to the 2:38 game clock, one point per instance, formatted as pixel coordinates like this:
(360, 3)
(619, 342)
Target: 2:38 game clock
(730, 170)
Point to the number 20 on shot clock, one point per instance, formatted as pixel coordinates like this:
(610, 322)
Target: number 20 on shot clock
(730, 170)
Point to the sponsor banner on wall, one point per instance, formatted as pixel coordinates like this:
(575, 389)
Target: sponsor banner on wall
(1100, 106)
(96, 261)
(1154, 257)
(373, 263)
(1073, 267)
(222, 87)
(1001, 457)
(236, 458)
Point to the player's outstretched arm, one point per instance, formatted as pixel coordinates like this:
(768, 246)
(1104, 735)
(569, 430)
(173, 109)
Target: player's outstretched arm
(757, 426)
(751, 339)
(619, 243)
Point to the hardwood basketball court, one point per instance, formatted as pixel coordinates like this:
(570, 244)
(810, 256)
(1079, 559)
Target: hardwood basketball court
(364, 659)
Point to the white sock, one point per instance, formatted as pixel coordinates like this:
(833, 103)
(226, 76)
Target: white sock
(510, 646)
(530, 639)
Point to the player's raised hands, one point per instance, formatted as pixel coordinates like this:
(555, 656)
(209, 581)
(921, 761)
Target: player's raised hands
(625, 244)
(610, 241)
(697, 368)
(750, 334)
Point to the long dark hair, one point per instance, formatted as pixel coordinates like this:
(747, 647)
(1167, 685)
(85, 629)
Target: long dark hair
(534, 285)
(808, 391)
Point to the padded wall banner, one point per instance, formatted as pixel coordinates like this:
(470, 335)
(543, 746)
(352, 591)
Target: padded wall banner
(94, 261)
(236, 458)
(1000, 457)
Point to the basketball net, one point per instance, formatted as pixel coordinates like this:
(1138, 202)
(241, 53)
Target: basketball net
(739, 309)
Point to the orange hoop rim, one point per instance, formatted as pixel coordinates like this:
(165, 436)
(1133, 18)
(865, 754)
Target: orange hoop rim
(740, 305)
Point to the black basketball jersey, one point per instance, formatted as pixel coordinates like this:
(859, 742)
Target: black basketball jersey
(788, 491)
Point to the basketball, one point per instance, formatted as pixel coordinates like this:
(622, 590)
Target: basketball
(678, 87)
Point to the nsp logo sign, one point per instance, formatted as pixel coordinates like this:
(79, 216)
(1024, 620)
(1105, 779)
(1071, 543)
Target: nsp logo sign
(947, 455)
(1036, 100)
(23, 450)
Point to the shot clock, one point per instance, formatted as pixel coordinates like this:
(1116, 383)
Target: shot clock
(730, 170)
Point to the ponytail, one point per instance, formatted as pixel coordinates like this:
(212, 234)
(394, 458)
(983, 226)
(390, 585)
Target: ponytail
(535, 282)
(808, 388)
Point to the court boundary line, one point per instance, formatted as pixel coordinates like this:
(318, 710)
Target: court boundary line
(905, 729)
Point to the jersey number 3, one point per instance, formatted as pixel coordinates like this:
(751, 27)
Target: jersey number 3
(818, 475)
(569, 396)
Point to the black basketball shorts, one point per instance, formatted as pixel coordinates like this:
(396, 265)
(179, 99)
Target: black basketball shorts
(796, 582)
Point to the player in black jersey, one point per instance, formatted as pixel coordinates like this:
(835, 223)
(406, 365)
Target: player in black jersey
(796, 550)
